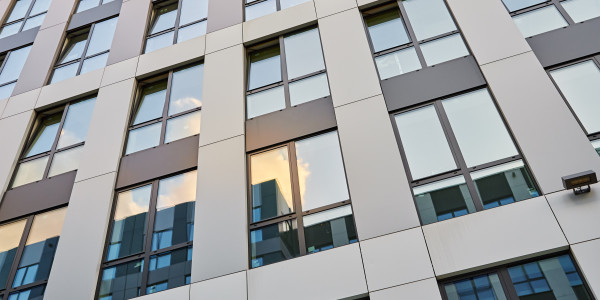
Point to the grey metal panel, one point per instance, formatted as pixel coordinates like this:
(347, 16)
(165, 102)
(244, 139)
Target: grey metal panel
(159, 161)
(224, 13)
(565, 44)
(431, 83)
(95, 14)
(37, 196)
(18, 40)
(290, 123)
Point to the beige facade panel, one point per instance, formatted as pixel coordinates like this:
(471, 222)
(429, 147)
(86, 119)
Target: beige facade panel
(577, 214)
(13, 134)
(279, 22)
(130, 33)
(229, 287)
(171, 57)
(424, 289)
(329, 7)
(586, 255)
(21, 103)
(69, 89)
(119, 71)
(224, 38)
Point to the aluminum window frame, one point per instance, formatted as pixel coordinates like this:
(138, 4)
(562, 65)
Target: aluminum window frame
(297, 214)
(462, 168)
(285, 80)
(5, 56)
(555, 3)
(277, 7)
(98, 3)
(24, 19)
(147, 252)
(413, 41)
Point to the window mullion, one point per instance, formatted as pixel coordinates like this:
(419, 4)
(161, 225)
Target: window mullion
(149, 236)
(26, 15)
(278, 4)
(563, 12)
(5, 60)
(296, 197)
(56, 138)
(507, 286)
(177, 20)
(284, 74)
(411, 33)
(15, 265)
(165, 114)
(84, 53)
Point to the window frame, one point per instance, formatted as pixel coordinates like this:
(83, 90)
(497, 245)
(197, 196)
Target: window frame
(462, 168)
(502, 271)
(8, 289)
(285, 81)
(98, 3)
(53, 150)
(147, 253)
(555, 3)
(277, 7)
(24, 19)
(5, 56)
(164, 118)
(398, 6)
(298, 214)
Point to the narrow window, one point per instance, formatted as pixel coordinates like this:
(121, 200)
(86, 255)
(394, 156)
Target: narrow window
(11, 65)
(25, 14)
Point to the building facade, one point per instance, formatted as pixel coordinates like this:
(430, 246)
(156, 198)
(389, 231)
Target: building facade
(298, 149)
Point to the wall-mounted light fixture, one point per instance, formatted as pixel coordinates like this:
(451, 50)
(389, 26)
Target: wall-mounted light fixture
(580, 182)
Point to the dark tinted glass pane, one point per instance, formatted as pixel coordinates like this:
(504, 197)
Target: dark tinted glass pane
(10, 236)
(265, 67)
(35, 293)
(386, 30)
(152, 102)
(274, 243)
(129, 223)
(169, 270)
(44, 137)
(121, 281)
(271, 184)
(484, 287)
(329, 229)
(444, 199)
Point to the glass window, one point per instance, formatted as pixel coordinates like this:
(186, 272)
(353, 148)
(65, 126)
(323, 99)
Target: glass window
(258, 8)
(11, 65)
(25, 14)
(461, 157)
(302, 181)
(582, 10)
(88, 4)
(484, 287)
(33, 241)
(174, 18)
(271, 87)
(539, 21)
(177, 107)
(85, 50)
(56, 143)
(162, 210)
(429, 21)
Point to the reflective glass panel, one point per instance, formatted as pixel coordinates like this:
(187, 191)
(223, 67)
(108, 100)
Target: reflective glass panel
(260, 9)
(13, 65)
(182, 127)
(329, 229)
(19, 10)
(121, 281)
(6, 90)
(386, 30)
(158, 42)
(76, 123)
(34, 22)
(65, 72)
(169, 270)
(580, 85)
(186, 89)
(66, 161)
(86, 4)
(303, 53)
(552, 278)
(309, 89)
(129, 223)
(40, 6)
(596, 145)
(289, 3)
(143, 138)
(152, 103)
(514, 5)
(94, 63)
(582, 10)
(396, 63)
(74, 48)
(30, 171)
(428, 18)
(539, 21)
(424, 142)
(274, 243)
(504, 184)
(191, 31)
(44, 137)
(174, 222)
(34, 293)
(38, 254)
(193, 10)
(164, 18)
(443, 200)
(10, 237)
(321, 171)
(10, 29)
(102, 36)
(265, 102)
(271, 184)
(265, 67)
(483, 287)
(481, 134)
(444, 49)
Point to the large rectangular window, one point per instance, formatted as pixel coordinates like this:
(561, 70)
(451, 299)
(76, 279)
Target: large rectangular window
(461, 158)
(27, 248)
(579, 84)
(11, 64)
(25, 14)
(56, 143)
(149, 246)
(258, 8)
(412, 34)
(534, 17)
(552, 278)
(286, 72)
(173, 22)
(84, 50)
(299, 200)
(168, 109)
